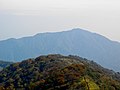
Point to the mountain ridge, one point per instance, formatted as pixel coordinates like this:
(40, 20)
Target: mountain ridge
(76, 42)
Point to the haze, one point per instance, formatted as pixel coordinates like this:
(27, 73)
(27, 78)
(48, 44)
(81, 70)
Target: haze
(20, 18)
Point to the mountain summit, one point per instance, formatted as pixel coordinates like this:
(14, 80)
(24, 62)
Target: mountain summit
(76, 42)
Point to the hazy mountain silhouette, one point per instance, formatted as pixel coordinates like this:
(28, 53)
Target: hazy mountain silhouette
(76, 42)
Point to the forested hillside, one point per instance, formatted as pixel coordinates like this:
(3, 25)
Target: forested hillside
(57, 72)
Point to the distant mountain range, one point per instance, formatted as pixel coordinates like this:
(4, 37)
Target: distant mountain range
(57, 72)
(75, 42)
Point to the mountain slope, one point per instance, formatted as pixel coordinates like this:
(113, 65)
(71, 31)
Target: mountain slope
(75, 42)
(57, 72)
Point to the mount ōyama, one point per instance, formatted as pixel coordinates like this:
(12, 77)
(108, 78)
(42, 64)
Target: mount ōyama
(74, 42)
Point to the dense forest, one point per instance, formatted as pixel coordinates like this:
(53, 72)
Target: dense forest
(57, 72)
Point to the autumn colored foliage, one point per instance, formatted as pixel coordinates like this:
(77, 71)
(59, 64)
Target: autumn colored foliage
(57, 72)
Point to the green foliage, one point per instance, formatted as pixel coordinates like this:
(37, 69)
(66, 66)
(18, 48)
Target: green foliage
(88, 84)
(56, 72)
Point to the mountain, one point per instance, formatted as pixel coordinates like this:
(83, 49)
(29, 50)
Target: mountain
(75, 42)
(57, 72)
(4, 64)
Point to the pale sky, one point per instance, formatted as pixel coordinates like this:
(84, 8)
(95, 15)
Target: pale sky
(20, 18)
